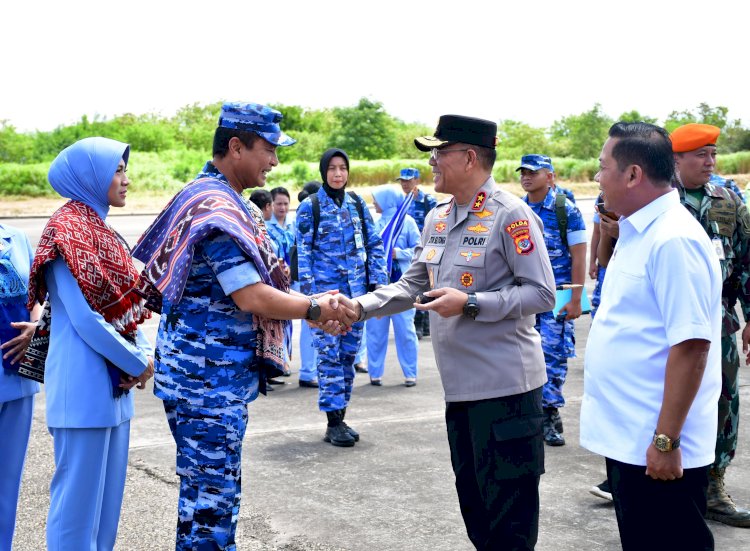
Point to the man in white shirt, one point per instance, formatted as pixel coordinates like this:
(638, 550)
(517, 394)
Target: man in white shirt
(652, 371)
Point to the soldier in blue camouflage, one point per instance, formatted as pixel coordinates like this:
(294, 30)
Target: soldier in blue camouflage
(569, 265)
(423, 203)
(346, 253)
(727, 222)
(727, 183)
(218, 339)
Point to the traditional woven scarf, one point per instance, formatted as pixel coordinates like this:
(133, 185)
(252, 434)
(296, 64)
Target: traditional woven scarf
(203, 206)
(99, 260)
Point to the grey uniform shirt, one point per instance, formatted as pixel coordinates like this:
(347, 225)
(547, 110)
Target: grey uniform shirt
(495, 248)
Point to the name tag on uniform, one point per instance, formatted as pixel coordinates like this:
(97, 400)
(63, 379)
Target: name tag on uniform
(358, 241)
(718, 247)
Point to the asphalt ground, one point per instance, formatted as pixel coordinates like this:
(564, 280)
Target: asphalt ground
(393, 491)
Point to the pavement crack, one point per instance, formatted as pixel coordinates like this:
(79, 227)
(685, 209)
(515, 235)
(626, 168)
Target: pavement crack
(152, 473)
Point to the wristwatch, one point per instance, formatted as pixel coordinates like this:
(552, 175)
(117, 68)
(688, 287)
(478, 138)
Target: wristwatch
(471, 308)
(313, 312)
(664, 443)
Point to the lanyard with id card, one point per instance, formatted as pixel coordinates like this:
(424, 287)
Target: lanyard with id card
(718, 248)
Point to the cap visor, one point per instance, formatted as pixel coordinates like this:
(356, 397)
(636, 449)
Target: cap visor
(529, 167)
(425, 143)
(279, 139)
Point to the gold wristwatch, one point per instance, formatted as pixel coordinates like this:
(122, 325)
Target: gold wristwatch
(664, 443)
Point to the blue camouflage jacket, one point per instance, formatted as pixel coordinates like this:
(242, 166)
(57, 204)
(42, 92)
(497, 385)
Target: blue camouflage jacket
(559, 256)
(422, 204)
(337, 258)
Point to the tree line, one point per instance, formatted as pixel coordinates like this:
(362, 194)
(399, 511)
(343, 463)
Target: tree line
(366, 131)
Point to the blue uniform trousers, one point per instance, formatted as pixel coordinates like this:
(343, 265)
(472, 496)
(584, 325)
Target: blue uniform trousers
(307, 354)
(336, 367)
(15, 426)
(558, 344)
(87, 487)
(596, 297)
(362, 350)
(209, 453)
(405, 335)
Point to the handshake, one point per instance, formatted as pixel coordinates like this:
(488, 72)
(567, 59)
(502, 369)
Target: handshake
(337, 312)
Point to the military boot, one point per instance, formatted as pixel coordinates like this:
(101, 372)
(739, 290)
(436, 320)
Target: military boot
(552, 436)
(353, 432)
(336, 433)
(556, 419)
(721, 508)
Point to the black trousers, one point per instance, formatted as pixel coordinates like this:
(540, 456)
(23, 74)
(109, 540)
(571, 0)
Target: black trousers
(497, 452)
(660, 514)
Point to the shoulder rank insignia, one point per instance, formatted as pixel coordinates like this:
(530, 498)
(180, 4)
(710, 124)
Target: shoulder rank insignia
(431, 254)
(478, 228)
(519, 231)
(447, 210)
(440, 227)
(483, 213)
(478, 203)
(468, 255)
(467, 279)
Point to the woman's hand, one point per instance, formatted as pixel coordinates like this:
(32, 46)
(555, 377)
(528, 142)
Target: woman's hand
(16, 347)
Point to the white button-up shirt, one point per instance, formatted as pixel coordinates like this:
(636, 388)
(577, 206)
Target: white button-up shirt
(663, 287)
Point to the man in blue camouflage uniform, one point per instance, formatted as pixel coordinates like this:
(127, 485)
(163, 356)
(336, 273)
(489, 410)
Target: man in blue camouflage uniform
(340, 254)
(208, 364)
(553, 182)
(423, 203)
(726, 220)
(719, 181)
(569, 266)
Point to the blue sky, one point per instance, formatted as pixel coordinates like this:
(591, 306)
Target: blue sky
(530, 61)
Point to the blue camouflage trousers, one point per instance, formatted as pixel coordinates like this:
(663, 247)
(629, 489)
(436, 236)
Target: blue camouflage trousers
(729, 403)
(209, 450)
(558, 344)
(596, 297)
(335, 364)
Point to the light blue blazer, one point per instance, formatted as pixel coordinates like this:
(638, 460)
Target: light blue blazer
(77, 384)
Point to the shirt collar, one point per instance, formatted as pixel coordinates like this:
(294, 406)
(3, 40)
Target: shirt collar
(6, 234)
(548, 202)
(643, 217)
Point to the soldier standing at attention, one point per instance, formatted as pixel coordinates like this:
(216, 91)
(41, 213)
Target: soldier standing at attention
(422, 204)
(727, 222)
(565, 238)
(340, 250)
(483, 260)
(223, 291)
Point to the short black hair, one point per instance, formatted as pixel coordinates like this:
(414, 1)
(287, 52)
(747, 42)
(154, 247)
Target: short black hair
(485, 155)
(280, 191)
(645, 145)
(261, 198)
(310, 188)
(223, 135)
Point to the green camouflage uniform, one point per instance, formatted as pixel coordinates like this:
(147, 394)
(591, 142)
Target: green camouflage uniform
(725, 218)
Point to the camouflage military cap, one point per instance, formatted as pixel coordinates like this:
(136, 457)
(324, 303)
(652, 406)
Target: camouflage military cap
(254, 117)
(536, 162)
(408, 174)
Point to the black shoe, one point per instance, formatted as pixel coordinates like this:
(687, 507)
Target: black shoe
(360, 368)
(339, 436)
(555, 418)
(376, 382)
(602, 490)
(354, 434)
(274, 382)
(308, 384)
(410, 383)
(551, 436)
(269, 388)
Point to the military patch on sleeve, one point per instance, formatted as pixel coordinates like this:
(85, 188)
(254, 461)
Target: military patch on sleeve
(519, 231)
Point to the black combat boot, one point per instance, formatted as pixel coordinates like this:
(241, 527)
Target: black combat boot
(353, 432)
(336, 433)
(552, 436)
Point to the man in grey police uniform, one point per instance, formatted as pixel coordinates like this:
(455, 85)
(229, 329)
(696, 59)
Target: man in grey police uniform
(483, 260)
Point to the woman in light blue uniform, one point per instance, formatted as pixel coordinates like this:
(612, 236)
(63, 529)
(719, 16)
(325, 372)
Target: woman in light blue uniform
(387, 200)
(96, 354)
(16, 392)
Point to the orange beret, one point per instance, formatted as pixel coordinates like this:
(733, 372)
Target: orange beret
(693, 136)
